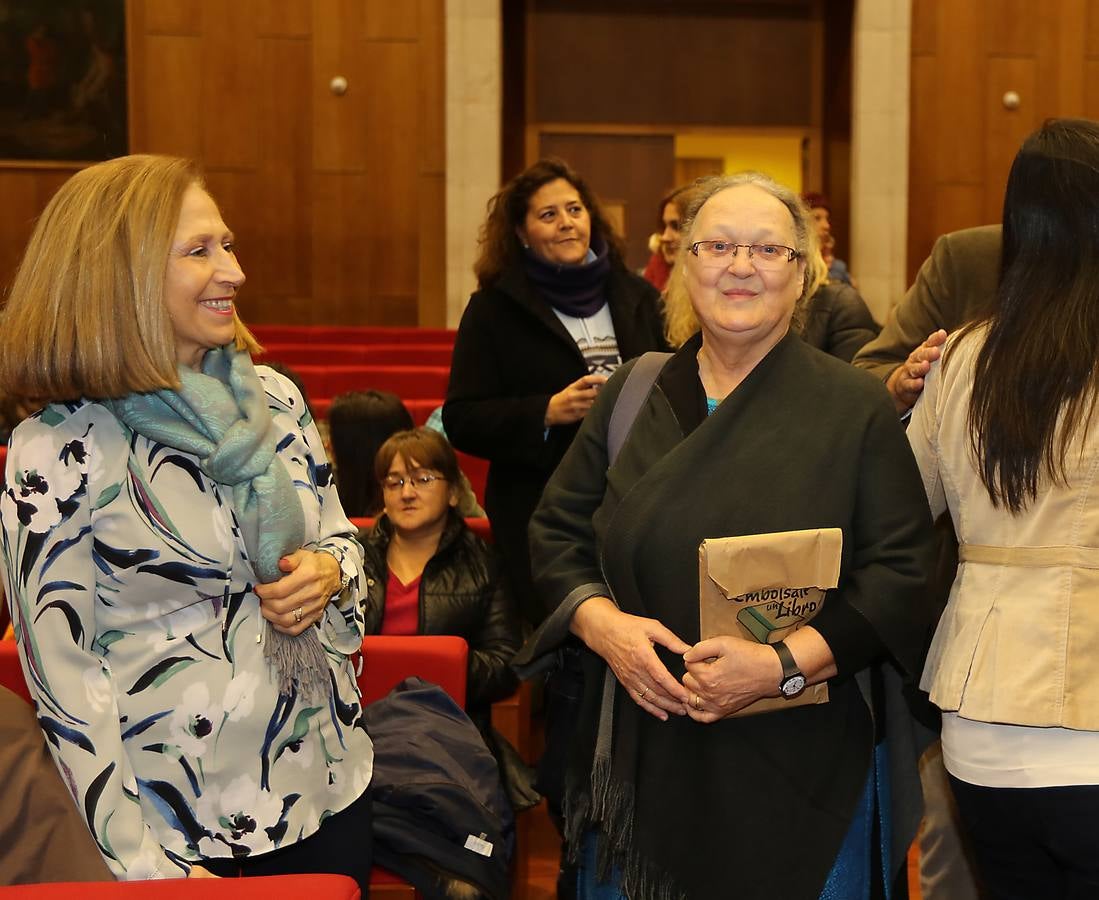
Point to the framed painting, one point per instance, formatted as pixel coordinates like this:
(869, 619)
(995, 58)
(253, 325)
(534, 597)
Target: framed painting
(62, 80)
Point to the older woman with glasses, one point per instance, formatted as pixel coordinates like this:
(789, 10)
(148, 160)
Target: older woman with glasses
(746, 430)
(829, 315)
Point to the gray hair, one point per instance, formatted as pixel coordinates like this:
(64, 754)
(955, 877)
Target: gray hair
(679, 314)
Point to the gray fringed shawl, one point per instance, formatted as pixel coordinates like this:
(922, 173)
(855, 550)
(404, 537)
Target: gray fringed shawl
(221, 417)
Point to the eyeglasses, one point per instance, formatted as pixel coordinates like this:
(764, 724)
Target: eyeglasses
(763, 256)
(416, 480)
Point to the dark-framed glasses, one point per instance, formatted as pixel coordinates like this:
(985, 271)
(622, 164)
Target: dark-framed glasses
(763, 256)
(418, 481)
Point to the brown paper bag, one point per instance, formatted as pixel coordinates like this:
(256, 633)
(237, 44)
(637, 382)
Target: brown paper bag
(762, 587)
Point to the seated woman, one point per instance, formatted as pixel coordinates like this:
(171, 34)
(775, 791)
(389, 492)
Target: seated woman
(831, 315)
(359, 422)
(429, 574)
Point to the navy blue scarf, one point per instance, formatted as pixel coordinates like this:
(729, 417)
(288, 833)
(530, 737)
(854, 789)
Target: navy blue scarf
(574, 290)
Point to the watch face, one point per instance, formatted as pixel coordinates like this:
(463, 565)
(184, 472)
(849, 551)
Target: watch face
(793, 686)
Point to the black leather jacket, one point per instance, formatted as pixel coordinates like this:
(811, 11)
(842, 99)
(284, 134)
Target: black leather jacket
(462, 592)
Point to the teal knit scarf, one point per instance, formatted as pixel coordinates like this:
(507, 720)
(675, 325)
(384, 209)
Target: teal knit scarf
(221, 417)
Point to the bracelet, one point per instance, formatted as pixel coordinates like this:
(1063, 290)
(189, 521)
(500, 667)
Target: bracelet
(337, 554)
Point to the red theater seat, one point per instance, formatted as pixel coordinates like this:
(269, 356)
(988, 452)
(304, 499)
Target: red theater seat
(419, 409)
(349, 334)
(278, 887)
(409, 354)
(389, 659)
(404, 381)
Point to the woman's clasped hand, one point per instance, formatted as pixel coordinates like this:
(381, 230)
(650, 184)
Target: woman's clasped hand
(297, 600)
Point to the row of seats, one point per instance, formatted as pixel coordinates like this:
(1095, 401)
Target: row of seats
(350, 334)
(412, 354)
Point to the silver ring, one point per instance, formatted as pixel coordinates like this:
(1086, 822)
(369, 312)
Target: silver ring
(298, 615)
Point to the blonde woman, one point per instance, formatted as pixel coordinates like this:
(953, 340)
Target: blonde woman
(182, 580)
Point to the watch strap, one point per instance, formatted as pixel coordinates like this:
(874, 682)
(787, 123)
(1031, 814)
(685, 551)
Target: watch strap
(789, 666)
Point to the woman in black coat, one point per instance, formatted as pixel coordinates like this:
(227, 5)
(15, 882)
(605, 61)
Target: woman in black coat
(555, 313)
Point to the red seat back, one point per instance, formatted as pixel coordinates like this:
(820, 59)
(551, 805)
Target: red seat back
(410, 354)
(389, 659)
(350, 334)
(267, 887)
(404, 381)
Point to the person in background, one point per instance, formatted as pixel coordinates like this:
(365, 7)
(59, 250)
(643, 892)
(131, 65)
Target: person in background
(359, 422)
(556, 311)
(955, 284)
(821, 211)
(664, 243)
(429, 574)
(831, 316)
(1006, 439)
(747, 430)
(182, 580)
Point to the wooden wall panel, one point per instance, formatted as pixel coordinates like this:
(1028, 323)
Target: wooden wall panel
(338, 202)
(1012, 28)
(173, 17)
(340, 267)
(431, 64)
(277, 18)
(340, 142)
(431, 300)
(925, 27)
(965, 56)
(1091, 94)
(673, 64)
(388, 21)
(1091, 28)
(1006, 129)
(172, 110)
(231, 82)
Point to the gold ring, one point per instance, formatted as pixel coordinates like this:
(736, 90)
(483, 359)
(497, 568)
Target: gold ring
(643, 692)
(697, 702)
(298, 615)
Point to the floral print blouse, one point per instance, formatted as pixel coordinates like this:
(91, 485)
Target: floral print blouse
(141, 639)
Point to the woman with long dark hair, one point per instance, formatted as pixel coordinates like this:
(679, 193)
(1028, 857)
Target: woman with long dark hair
(556, 311)
(1006, 438)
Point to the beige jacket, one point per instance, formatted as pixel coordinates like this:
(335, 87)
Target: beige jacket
(1018, 642)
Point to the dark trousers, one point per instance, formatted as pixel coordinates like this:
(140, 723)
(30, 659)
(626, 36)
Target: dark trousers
(1033, 842)
(343, 845)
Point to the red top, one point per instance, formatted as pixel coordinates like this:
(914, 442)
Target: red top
(402, 606)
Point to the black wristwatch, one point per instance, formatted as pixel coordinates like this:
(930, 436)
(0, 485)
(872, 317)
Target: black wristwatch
(793, 681)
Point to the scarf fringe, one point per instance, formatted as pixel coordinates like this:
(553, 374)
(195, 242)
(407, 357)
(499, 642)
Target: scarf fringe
(608, 807)
(299, 663)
